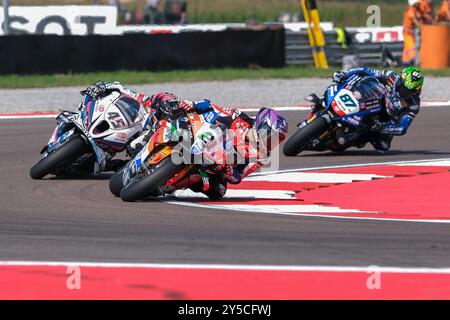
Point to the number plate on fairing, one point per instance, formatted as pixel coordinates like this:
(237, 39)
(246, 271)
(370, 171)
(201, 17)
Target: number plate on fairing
(345, 103)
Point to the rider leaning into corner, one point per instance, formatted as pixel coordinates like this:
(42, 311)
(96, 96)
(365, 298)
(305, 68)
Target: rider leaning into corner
(268, 129)
(253, 140)
(402, 104)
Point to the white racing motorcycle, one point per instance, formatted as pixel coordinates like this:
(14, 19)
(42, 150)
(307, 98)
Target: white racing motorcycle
(85, 141)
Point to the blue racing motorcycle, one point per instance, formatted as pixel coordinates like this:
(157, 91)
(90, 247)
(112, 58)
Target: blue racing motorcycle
(346, 109)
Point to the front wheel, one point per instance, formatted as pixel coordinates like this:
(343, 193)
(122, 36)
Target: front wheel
(141, 187)
(67, 153)
(299, 141)
(116, 182)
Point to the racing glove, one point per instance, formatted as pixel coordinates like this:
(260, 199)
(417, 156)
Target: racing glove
(339, 77)
(101, 89)
(96, 91)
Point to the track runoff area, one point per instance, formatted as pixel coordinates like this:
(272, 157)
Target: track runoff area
(413, 191)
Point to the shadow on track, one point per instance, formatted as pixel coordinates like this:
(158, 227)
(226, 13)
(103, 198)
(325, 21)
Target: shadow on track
(103, 176)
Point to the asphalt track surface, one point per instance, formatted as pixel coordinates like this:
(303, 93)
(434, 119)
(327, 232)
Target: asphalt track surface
(79, 220)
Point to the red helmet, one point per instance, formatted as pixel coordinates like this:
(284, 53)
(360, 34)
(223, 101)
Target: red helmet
(166, 103)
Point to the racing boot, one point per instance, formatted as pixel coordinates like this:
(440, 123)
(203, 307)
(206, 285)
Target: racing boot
(382, 142)
(350, 139)
(217, 187)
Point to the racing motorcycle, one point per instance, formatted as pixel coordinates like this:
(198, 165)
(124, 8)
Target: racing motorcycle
(168, 161)
(347, 108)
(84, 141)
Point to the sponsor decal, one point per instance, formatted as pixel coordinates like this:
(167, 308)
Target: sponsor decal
(357, 94)
(121, 136)
(61, 20)
(351, 120)
(378, 34)
(210, 116)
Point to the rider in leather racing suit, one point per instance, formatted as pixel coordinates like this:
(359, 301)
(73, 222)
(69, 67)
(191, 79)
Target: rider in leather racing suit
(267, 130)
(402, 104)
(252, 140)
(158, 106)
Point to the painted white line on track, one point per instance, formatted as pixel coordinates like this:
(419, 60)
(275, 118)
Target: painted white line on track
(311, 215)
(277, 210)
(319, 268)
(27, 116)
(300, 177)
(431, 162)
(237, 193)
(443, 163)
(286, 208)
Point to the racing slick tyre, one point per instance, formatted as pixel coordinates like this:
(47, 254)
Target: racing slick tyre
(116, 182)
(299, 141)
(143, 186)
(68, 152)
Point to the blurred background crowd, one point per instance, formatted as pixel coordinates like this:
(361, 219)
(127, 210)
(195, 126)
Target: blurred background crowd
(343, 12)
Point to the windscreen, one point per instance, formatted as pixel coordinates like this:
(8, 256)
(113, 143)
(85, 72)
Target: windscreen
(129, 108)
(368, 89)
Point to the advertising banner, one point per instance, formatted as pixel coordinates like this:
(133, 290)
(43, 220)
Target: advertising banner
(61, 20)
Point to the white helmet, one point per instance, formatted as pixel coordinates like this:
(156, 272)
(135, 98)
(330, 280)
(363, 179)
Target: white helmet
(413, 2)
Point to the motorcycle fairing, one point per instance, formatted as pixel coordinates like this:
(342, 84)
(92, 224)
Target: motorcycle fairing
(105, 124)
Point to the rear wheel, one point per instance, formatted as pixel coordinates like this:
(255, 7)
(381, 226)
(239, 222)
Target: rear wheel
(141, 187)
(299, 141)
(67, 153)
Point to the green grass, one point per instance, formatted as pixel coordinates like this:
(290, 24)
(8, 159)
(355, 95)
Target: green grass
(342, 13)
(141, 77)
(135, 77)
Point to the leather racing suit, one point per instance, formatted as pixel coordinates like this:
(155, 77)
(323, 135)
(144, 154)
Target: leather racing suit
(400, 108)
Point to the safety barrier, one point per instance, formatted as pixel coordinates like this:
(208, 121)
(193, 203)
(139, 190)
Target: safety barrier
(435, 47)
(298, 50)
(49, 54)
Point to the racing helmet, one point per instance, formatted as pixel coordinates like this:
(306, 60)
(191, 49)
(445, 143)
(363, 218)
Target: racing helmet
(411, 82)
(270, 124)
(165, 103)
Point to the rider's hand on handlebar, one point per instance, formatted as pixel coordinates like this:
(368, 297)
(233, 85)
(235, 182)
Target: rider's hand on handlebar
(96, 91)
(338, 77)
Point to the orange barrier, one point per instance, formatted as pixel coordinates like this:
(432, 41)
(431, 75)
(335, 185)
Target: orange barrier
(435, 46)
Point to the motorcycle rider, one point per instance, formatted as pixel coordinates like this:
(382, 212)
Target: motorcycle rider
(401, 105)
(252, 139)
(158, 106)
(257, 132)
